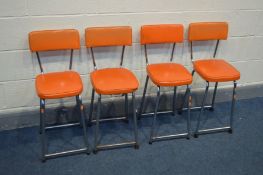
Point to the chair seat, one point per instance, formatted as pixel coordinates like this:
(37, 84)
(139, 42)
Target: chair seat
(111, 81)
(58, 85)
(169, 74)
(216, 70)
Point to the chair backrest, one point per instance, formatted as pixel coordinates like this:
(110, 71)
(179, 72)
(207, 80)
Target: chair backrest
(162, 33)
(201, 31)
(204, 31)
(47, 40)
(108, 36)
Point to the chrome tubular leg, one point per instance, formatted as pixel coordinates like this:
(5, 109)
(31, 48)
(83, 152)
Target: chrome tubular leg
(40, 120)
(193, 72)
(189, 112)
(233, 107)
(184, 101)
(82, 119)
(78, 107)
(91, 107)
(214, 96)
(127, 107)
(97, 125)
(174, 100)
(155, 115)
(135, 122)
(202, 109)
(184, 98)
(143, 97)
(43, 132)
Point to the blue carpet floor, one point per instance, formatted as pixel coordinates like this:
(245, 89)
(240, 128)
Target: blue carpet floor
(221, 153)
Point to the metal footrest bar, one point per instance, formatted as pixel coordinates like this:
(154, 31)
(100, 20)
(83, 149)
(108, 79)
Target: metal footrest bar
(184, 109)
(109, 119)
(117, 145)
(213, 130)
(168, 137)
(160, 112)
(62, 126)
(198, 108)
(66, 153)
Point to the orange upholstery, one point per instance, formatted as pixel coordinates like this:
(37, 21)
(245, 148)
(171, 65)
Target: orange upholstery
(114, 81)
(169, 74)
(108, 36)
(216, 70)
(54, 40)
(58, 85)
(162, 33)
(207, 31)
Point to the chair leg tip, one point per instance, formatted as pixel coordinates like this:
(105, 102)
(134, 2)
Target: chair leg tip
(211, 109)
(230, 131)
(179, 112)
(136, 146)
(95, 151)
(150, 142)
(195, 136)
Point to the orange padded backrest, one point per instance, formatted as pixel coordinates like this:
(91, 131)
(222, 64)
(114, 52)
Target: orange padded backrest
(54, 40)
(208, 31)
(162, 33)
(108, 36)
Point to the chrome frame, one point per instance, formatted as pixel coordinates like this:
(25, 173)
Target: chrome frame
(153, 136)
(43, 128)
(45, 155)
(97, 121)
(134, 143)
(211, 107)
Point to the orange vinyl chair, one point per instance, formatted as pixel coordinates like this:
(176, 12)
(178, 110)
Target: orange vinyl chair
(165, 74)
(56, 85)
(111, 81)
(212, 70)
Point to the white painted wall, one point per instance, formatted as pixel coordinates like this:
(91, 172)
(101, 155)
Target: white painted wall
(18, 67)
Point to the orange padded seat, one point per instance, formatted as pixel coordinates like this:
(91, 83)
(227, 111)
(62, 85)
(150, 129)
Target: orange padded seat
(58, 85)
(114, 81)
(216, 70)
(169, 74)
